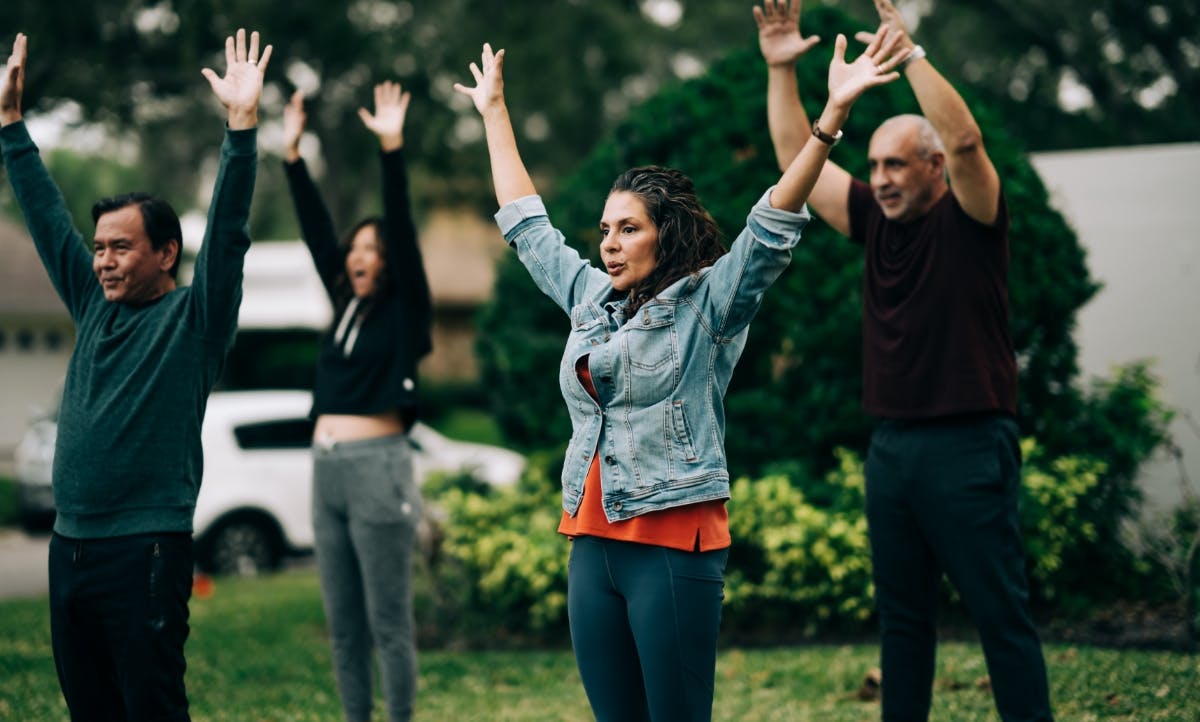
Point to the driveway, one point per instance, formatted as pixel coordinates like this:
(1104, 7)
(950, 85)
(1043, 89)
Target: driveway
(23, 564)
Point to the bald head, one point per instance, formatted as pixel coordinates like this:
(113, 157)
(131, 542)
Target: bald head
(919, 127)
(908, 164)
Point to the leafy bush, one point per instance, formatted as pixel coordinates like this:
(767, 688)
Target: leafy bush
(797, 565)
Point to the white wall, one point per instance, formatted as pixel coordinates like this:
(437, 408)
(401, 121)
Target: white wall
(1136, 213)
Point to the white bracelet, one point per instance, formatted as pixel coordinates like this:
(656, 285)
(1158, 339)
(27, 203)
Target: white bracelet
(916, 53)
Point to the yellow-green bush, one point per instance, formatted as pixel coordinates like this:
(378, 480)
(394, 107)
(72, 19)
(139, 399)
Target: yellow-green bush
(796, 566)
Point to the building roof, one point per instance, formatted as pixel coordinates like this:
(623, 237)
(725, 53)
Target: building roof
(25, 289)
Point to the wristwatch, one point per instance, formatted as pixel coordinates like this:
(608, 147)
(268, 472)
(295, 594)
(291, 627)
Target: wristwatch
(827, 139)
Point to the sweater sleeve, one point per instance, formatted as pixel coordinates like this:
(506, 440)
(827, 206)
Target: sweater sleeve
(217, 280)
(61, 246)
(316, 225)
(405, 266)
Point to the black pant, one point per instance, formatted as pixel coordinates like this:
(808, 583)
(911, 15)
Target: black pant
(942, 497)
(118, 622)
(644, 622)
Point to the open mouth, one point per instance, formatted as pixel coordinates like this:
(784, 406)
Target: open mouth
(615, 268)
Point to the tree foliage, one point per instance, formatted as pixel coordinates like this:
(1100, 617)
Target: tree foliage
(574, 69)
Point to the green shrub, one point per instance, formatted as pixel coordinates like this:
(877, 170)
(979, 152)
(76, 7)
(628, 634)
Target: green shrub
(797, 566)
(792, 560)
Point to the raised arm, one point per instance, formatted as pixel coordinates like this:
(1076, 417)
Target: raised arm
(782, 45)
(316, 224)
(403, 252)
(847, 82)
(973, 178)
(217, 279)
(509, 175)
(59, 243)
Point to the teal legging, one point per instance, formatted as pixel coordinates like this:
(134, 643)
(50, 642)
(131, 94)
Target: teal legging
(644, 622)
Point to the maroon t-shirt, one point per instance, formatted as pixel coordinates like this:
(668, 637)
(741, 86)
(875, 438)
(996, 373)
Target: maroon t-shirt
(936, 339)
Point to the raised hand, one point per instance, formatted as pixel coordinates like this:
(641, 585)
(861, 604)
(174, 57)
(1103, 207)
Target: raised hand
(241, 87)
(294, 120)
(387, 122)
(488, 92)
(876, 66)
(779, 36)
(13, 82)
(889, 16)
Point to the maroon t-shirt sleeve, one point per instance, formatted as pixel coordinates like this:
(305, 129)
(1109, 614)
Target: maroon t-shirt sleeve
(863, 209)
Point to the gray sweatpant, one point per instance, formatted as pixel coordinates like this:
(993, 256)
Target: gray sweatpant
(366, 506)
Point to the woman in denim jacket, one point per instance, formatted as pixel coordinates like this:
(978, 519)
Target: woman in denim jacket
(654, 339)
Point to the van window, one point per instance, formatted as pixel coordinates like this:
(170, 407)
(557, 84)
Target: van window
(281, 434)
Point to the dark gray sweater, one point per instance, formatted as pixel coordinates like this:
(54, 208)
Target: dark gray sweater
(128, 458)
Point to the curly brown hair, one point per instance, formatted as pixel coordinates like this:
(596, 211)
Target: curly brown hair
(688, 237)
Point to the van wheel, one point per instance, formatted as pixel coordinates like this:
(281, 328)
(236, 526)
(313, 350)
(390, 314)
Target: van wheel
(241, 546)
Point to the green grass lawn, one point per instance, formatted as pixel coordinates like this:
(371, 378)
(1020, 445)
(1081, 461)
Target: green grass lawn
(258, 653)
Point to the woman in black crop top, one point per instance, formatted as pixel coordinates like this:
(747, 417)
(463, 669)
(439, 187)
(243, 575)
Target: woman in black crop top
(365, 499)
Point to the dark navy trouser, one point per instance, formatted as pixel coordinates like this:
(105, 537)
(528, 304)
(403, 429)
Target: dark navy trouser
(942, 497)
(644, 622)
(118, 623)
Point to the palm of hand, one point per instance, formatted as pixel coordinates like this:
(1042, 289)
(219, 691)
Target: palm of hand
(293, 125)
(10, 85)
(847, 81)
(781, 43)
(488, 91)
(240, 87)
(388, 118)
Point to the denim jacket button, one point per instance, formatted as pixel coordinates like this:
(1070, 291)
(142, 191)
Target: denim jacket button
(609, 460)
(616, 506)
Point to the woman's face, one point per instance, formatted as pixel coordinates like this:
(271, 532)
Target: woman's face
(364, 262)
(629, 240)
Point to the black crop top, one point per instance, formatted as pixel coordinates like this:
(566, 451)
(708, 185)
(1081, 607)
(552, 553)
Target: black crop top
(367, 362)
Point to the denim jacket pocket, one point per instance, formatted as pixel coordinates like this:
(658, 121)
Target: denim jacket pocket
(681, 432)
(651, 353)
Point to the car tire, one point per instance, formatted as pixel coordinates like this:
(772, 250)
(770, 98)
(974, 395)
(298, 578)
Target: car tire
(244, 545)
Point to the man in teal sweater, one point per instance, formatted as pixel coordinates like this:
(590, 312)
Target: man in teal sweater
(128, 461)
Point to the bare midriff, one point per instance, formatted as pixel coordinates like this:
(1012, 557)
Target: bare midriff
(331, 428)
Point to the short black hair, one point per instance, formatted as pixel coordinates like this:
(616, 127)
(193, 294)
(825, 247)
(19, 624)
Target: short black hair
(158, 218)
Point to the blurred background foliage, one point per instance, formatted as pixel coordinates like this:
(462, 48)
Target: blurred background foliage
(123, 77)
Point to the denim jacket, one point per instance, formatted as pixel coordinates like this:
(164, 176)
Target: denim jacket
(660, 375)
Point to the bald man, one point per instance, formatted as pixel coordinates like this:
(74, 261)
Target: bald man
(939, 372)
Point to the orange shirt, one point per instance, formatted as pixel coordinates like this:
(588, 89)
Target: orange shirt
(703, 526)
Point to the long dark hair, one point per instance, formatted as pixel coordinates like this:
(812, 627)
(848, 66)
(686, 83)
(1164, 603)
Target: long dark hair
(342, 290)
(688, 237)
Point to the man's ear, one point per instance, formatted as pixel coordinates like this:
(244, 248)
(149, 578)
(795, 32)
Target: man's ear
(170, 252)
(938, 162)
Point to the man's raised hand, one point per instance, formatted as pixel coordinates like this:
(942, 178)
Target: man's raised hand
(779, 36)
(241, 87)
(13, 82)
